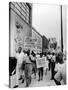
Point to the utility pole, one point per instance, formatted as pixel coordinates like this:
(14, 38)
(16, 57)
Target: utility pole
(61, 29)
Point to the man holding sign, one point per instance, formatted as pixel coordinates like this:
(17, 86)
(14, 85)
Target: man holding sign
(40, 64)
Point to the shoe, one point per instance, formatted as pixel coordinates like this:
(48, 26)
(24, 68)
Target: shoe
(22, 81)
(15, 86)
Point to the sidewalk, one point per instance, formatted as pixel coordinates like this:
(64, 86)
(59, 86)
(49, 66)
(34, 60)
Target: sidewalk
(45, 82)
(35, 83)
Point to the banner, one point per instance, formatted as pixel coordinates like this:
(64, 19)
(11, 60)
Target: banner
(40, 62)
(29, 43)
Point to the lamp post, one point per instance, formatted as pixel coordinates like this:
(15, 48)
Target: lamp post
(61, 29)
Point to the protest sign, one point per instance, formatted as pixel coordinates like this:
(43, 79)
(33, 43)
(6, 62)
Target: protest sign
(40, 62)
(29, 43)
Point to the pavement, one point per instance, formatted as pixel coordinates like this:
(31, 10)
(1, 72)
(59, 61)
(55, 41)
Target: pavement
(45, 82)
(35, 83)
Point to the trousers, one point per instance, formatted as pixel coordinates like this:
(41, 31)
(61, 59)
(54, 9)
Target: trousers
(28, 73)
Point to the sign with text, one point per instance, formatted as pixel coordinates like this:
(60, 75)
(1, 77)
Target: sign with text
(30, 43)
(40, 62)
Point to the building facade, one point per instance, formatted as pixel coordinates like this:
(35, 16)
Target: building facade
(20, 24)
(38, 37)
(45, 43)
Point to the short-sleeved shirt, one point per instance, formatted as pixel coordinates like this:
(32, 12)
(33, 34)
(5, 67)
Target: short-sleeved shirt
(19, 57)
(49, 56)
(54, 58)
(26, 59)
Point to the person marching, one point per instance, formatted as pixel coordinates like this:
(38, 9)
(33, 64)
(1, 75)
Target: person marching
(28, 69)
(19, 57)
(40, 69)
(33, 60)
(53, 60)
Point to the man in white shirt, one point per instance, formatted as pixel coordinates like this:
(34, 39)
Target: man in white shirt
(19, 57)
(40, 69)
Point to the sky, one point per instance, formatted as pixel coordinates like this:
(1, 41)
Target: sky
(46, 19)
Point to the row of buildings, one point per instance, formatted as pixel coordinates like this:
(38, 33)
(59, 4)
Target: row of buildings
(22, 33)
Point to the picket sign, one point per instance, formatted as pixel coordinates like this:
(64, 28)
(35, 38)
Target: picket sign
(29, 42)
(40, 62)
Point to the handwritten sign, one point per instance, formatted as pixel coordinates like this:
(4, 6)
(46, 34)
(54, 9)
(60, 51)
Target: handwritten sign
(40, 62)
(29, 42)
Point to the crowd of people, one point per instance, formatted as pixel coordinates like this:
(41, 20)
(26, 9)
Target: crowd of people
(27, 65)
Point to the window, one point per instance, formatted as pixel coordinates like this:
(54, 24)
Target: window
(23, 9)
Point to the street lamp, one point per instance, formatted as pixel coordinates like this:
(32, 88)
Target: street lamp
(61, 29)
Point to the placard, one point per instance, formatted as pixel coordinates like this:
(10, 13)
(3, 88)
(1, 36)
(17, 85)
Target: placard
(40, 62)
(29, 43)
